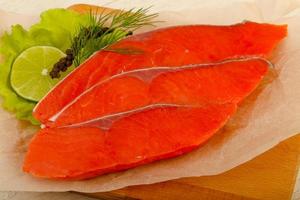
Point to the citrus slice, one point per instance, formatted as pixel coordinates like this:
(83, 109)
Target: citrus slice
(30, 72)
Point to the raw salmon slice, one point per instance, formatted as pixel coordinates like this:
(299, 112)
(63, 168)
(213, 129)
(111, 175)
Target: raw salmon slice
(226, 82)
(85, 152)
(173, 46)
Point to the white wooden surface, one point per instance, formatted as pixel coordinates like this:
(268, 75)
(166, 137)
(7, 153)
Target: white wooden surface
(33, 7)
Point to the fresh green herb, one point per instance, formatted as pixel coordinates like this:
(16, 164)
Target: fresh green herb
(102, 31)
(54, 29)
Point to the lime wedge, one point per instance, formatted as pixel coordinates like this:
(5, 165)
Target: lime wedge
(30, 72)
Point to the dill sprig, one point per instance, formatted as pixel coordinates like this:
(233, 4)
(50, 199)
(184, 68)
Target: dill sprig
(102, 30)
(106, 29)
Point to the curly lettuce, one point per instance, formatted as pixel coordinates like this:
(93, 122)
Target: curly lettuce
(55, 28)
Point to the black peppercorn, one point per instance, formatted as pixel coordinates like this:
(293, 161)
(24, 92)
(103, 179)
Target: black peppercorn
(88, 32)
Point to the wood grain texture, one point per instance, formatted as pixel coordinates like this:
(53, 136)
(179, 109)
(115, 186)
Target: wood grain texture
(270, 176)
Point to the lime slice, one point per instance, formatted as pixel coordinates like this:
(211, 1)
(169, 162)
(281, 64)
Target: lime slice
(30, 72)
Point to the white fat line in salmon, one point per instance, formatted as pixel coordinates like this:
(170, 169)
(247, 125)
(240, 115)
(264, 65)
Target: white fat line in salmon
(105, 122)
(147, 74)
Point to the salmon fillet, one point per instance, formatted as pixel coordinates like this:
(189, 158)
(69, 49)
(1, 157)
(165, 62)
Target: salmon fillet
(118, 111)
(227, 82)
(172, 46)
(86, 152)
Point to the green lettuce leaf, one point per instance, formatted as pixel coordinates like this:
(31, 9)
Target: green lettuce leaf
(55, 28)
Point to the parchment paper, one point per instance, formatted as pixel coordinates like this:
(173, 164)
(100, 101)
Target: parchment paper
(267, 117)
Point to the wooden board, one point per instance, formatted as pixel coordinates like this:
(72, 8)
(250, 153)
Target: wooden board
(269, 176)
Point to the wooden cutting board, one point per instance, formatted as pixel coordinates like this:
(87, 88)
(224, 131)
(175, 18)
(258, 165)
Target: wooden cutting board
(270, 176)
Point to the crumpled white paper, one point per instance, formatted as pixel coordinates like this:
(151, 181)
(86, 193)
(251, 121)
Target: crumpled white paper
(267, 117)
